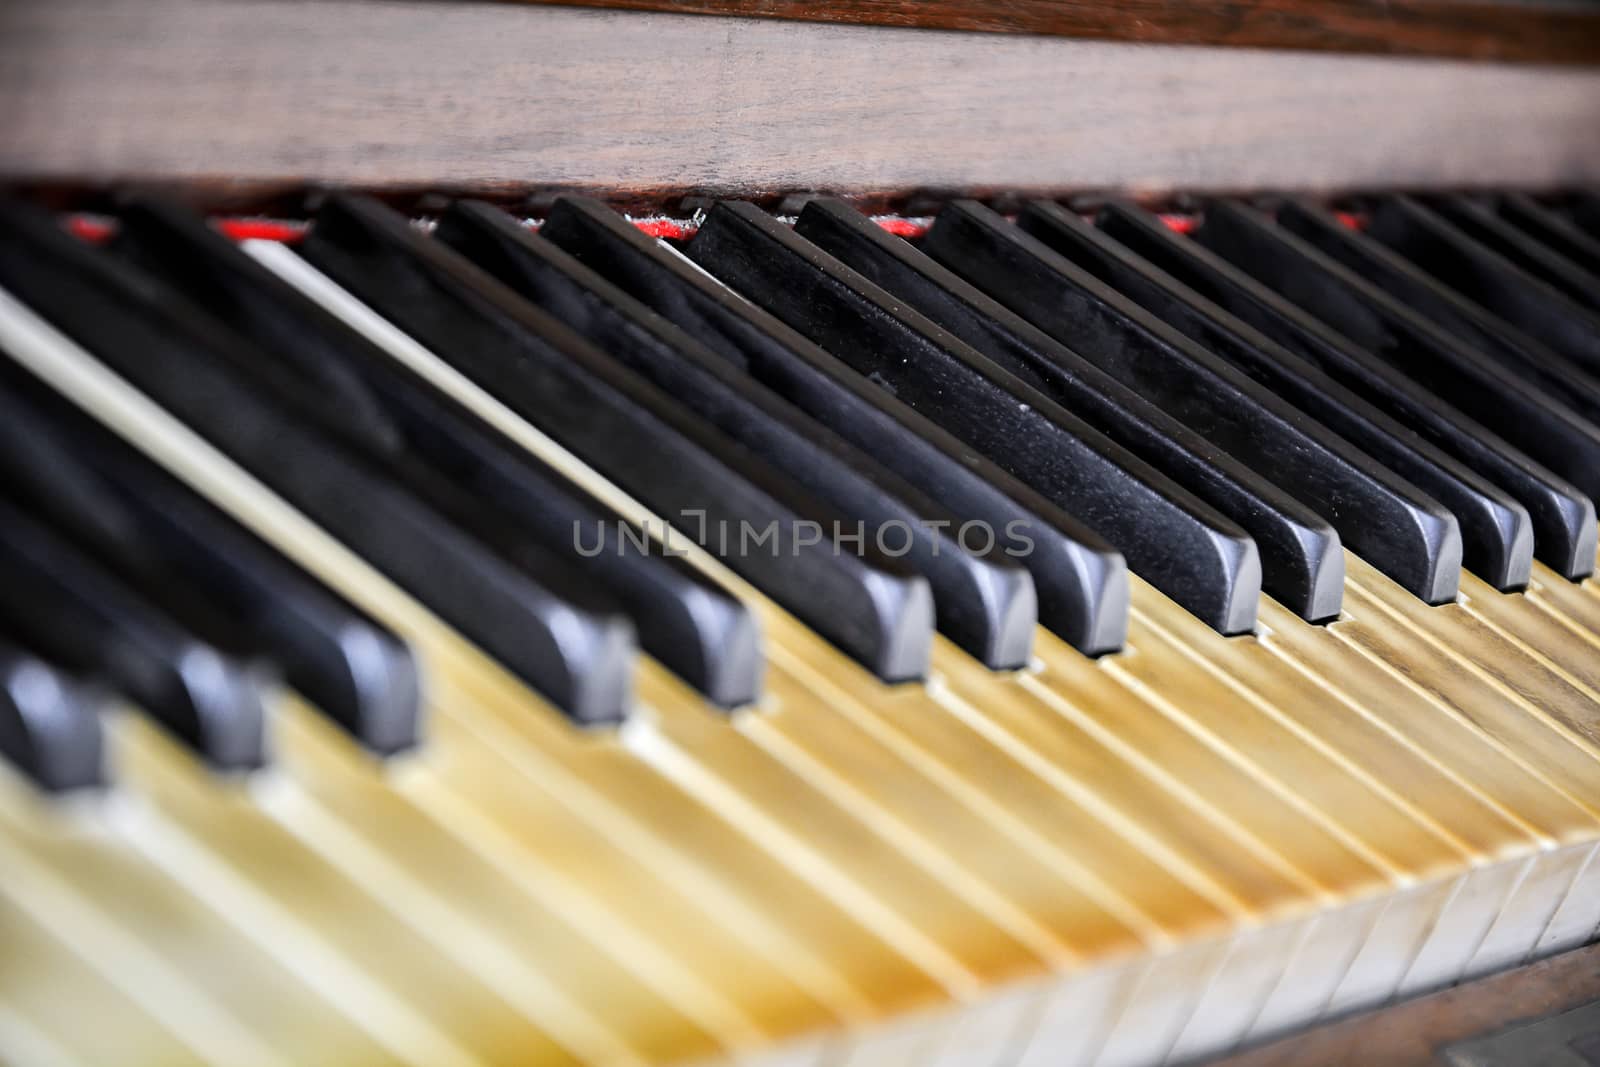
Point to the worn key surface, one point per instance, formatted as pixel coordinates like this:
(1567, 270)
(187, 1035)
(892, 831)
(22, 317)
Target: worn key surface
(912, 722)
(688, 735)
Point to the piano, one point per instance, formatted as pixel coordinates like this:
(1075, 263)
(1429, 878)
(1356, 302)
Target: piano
(862, 535)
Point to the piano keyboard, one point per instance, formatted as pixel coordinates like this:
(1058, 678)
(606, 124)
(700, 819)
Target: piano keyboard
(1046, 641)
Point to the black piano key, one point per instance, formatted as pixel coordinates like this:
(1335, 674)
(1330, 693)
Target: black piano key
(1081, 583)
(1480, 221)
(526, 609)
(152, 232)
(49, 723)
(77, 614)
(698, 630)
(1496, 531)
(983, 600)
(1438, 246)
(1301, 561)
(1425, 374)
(1585, 213)
(630, 432)
(1200, 559)
(1551, 229)
(1419, 291)
(1069, 295)
(167, 541)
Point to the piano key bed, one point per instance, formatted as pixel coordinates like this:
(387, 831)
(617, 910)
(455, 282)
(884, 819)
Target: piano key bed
(1035, 640)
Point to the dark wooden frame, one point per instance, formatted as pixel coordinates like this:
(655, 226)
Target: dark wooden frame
(1412, 1032)
(249, 98)
(1535, 31)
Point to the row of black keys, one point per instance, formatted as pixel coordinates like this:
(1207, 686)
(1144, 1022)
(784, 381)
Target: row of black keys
(1224, 411)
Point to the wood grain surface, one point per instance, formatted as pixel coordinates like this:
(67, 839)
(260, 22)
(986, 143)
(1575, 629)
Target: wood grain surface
(1475, 29)
(508, 97)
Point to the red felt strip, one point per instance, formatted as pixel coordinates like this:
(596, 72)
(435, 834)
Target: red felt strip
(665, 228)
(98, 228)
(90, 228)
(907, 228)
(262, 230)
